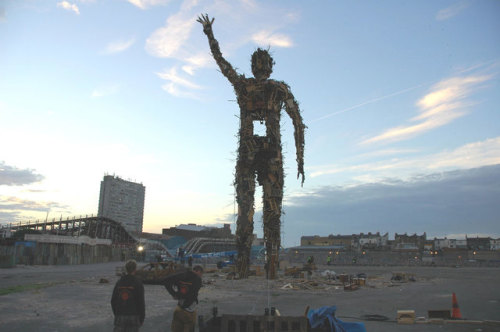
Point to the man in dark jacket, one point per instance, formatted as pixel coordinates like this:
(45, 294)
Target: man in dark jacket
(184, 287)
(127, 301)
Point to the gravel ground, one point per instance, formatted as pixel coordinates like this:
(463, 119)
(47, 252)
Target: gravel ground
(71, 298)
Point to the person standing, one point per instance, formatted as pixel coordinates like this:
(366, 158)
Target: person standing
(184, 287)
(127, 301)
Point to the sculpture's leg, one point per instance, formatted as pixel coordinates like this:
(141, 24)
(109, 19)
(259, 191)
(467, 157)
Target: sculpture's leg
(272, 199)
(245, 189)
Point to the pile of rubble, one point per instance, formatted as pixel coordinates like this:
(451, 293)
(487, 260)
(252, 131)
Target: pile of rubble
(310, 279)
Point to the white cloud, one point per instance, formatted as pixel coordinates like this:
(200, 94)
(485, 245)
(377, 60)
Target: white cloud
(468, 156)
(171, 75)
(476, 154)
(446, 102)
(265, 38)
(105, 90)
(178, 86)
(69, 6)
(167, 41)
(386, 152)
(13, 176)
(188, 69)
(196, 61)
(451, 11)
(181, 38)
(145, 4)
(119, 46)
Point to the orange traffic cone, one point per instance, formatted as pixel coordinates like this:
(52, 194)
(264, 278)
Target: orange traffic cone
(456, 310)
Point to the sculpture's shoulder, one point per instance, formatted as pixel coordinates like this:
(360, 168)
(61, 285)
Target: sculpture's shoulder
(251, 86)
(241, 82)
(281, 86)
(277, 84)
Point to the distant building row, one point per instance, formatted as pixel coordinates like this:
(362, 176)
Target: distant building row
(402, 242)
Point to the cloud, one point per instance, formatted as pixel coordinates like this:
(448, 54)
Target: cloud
(181, 38)
(386, 152)
(119, 46)
(105, 90)
(13, 209)
(7, 217)
(227, 218)
(265, 38)
(68, 6)
(14, 203)
(167, 41)
(446, 102)
(476, 154)
(13, 176)
(451, 11)
(177, 85)
(196, 61)
(459, 201)
(470, 155)
(171, 75)
(145, 4)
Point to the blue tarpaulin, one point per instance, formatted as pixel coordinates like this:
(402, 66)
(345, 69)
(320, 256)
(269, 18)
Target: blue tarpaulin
(325, 317)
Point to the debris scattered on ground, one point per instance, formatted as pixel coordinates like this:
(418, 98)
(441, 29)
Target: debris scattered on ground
(296, 278)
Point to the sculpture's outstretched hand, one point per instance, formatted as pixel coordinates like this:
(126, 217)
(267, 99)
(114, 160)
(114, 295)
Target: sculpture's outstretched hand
(206, 22)
(301, 172)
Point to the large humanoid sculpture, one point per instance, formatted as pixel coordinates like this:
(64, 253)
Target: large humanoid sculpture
(261, 101)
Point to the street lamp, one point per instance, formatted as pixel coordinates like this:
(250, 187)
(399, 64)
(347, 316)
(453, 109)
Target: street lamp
(140, 248)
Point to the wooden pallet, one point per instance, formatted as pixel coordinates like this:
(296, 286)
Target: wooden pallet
(252, 323)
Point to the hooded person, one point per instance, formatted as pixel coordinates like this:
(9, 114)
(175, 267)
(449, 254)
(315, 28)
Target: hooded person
(127, 301)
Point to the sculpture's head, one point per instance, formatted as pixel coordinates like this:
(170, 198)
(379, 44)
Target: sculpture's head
(262, 64)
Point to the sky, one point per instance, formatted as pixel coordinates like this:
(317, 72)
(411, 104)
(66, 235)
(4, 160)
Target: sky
(400, 99)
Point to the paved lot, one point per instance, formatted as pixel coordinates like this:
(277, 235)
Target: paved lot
(76, 301)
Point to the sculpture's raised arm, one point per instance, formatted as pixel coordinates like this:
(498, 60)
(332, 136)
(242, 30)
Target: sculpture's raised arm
(224, 66)
(292, 108)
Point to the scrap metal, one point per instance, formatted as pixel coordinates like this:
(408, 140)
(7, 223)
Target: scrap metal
(260, 100)
(156, 272)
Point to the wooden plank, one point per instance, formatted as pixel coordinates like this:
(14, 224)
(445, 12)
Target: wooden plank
(246, 323)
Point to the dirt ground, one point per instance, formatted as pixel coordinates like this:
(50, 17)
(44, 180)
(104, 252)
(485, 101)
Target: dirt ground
(72, 298)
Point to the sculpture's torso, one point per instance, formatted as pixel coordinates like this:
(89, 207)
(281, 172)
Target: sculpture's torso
(260, 101)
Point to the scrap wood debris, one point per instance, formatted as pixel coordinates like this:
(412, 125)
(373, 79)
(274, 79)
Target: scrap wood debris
(310, 285)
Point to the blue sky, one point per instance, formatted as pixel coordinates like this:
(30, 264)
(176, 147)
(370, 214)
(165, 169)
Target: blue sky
(401, 100)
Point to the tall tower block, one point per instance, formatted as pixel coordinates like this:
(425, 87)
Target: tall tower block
(122, 201)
